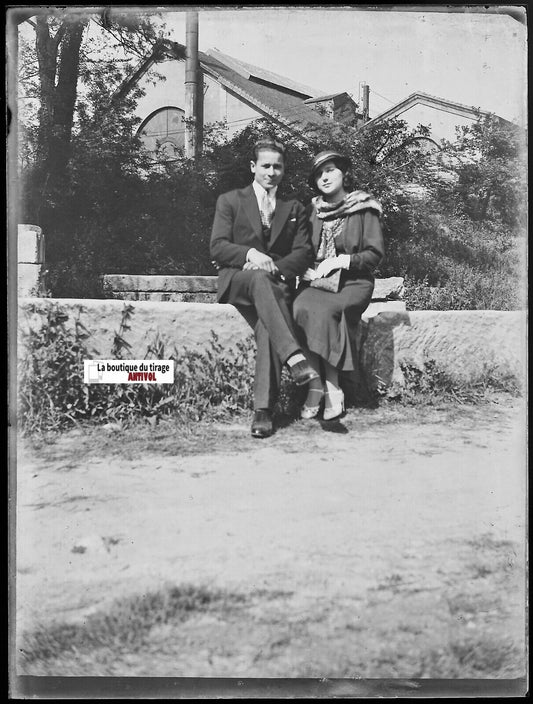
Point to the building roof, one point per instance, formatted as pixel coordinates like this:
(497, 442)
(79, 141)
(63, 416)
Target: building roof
(271, 95)
(249, 71)
(432, 101)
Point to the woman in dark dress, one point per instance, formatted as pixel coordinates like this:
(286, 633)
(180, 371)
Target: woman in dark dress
(348, 243)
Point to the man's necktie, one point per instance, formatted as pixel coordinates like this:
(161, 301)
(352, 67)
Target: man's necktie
(267, 211)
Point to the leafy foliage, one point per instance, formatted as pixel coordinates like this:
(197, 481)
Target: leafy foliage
(489, 159)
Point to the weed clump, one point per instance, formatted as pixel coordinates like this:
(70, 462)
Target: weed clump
(53, 395)
(428, 384)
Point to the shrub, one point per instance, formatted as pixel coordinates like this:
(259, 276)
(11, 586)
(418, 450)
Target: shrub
(51, 389)
(452, 263)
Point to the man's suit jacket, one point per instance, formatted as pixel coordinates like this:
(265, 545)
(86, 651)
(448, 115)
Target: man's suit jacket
(237, 227)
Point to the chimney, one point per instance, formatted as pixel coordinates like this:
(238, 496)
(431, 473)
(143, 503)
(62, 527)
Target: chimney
(365, 89)
(192, 126)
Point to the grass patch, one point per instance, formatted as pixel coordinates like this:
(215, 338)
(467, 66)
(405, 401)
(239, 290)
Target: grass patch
(473, 657)
(268, 634)
(127, 624)
(428, 385)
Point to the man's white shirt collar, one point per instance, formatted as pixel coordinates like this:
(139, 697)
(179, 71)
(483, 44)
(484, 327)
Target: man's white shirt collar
(260, 191)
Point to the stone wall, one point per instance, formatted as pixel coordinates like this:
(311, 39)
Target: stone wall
(467, 345)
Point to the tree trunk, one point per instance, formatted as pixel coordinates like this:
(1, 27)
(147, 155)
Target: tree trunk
(65, 99)
(59, 58)
(46, 47)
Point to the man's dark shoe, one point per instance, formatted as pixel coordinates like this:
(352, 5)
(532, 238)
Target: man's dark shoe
(262, 424)
(302, 372)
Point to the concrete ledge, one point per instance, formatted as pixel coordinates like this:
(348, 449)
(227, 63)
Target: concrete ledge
(468, 345)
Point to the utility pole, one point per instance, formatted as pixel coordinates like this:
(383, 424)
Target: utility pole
(192, 126)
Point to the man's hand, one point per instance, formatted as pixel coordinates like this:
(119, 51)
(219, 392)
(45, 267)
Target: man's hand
(329, 265)
(258, 260)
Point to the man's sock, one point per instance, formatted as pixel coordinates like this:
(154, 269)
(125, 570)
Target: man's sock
(295, 358)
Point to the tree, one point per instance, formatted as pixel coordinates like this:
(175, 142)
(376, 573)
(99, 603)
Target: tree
(58, 56)
(63, 55)
(489, 163)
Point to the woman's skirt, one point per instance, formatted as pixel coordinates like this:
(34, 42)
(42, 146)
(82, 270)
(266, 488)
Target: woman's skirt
(326, 323)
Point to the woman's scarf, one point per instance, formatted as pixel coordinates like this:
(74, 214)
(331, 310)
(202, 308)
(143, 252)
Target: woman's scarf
(351, 203)
(326, 247)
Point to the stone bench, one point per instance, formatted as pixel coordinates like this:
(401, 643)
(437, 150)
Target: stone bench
(387, 296)
(182, 289)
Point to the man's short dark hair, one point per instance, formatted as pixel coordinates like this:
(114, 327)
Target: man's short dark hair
(267, 143)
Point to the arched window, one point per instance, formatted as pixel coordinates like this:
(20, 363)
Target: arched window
(163, 133)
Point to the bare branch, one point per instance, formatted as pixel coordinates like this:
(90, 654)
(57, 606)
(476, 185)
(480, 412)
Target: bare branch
(59, 35)
(26, 76)
(88, 60)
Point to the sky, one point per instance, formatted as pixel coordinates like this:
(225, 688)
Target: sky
(475, 58)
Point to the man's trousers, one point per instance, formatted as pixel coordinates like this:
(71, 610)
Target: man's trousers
(265, 303)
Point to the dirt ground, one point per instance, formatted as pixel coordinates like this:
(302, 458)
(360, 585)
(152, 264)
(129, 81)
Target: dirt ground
(390, 544)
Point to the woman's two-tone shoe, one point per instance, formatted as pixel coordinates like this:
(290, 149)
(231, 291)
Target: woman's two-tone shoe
(308, 412)
(335, 407)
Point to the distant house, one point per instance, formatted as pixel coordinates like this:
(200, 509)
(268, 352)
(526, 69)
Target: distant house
(234, 92)
(440, 114)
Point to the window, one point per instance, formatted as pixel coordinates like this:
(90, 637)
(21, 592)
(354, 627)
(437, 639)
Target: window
(163, 133)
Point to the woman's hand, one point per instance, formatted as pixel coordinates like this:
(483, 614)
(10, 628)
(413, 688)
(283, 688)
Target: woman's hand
(308, 275)
(342, 261)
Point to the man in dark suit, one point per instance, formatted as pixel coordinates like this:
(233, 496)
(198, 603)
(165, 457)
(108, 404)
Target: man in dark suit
(260, 244)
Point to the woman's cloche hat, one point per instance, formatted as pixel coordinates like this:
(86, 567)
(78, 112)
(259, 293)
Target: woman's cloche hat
(343, 162)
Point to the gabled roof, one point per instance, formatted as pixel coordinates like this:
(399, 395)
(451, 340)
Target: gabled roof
(249, 71)
(432, 101)
(272, 96)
